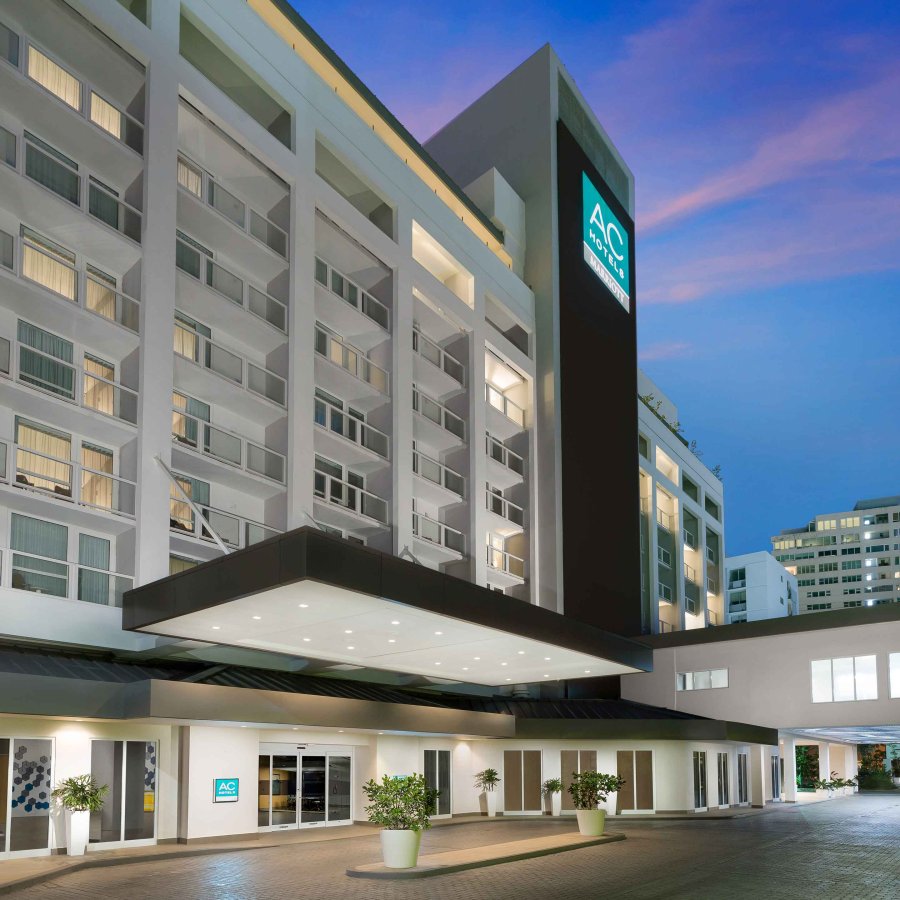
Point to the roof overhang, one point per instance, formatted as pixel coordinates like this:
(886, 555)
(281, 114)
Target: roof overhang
(312, 595)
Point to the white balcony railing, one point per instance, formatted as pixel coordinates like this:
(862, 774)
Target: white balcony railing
(506, 509)
(666, 520)
(226, 446)
(24, 571)
(502, 561)
(427, 529)
(190, 260)
(438, 413)
(200, 350)
(438, 357)
(690, 573)
(350, 497)
(737, 583)
(503, 404)
(84, 288)
(66, 480)
(712, 617)
(236, 531)
(500, 453)
(336, 420)
(665, 627)
(73, 90)
(333, 348)
(690, 539)
(204, 187)
(350, 292)
(437, 473)
(80, 386)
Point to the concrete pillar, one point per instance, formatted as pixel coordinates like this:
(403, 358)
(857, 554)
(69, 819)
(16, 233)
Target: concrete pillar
(825, 761)
(789, 755)
(851, 765)
(759, 760)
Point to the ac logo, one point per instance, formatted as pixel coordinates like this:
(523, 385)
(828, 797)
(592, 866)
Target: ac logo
(605, 243)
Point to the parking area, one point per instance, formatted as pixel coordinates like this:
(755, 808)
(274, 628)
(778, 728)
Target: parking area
(846, 848)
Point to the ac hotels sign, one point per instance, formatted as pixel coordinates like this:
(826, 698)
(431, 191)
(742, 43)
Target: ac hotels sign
(605, 243)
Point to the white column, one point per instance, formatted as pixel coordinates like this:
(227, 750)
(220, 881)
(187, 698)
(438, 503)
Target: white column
(789, 755)
(758, 765)
(825, 761)
(851, 765)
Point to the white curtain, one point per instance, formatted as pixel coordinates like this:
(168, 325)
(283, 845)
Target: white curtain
(99, 394)
(106, 116)
(53, 77)
(39, 266)
(190, 177)
(42, 458)
(96, 488)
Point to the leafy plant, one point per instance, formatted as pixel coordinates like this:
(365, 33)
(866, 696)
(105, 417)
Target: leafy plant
(552, 786)
(834, 783)
(589, 789)
(401, 803)
(487, 779)
(81, 793)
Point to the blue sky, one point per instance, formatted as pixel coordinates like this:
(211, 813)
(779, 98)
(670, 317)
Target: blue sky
(765, 141)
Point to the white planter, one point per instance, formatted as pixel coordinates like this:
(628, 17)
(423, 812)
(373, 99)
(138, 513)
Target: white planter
(591, 822)
(400, 849)
(488, 802)
(896, 781)
(556, 804)
(78, 830)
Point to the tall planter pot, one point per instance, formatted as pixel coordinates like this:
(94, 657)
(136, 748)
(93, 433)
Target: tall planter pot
(488, 801)
(400, 849)
(78, 830)
(591, 822)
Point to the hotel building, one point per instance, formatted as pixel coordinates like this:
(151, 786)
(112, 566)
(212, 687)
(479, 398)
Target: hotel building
(759, 587)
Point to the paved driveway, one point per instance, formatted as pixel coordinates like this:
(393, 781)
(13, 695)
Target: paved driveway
(848, 848)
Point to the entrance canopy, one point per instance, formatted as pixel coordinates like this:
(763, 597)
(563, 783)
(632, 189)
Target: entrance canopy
(311, 595)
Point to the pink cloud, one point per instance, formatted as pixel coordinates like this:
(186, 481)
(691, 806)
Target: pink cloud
(664, 350)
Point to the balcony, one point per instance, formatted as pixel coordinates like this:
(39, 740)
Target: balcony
(435, 482)
(736, 583)
(505, 467)
(208, 370)
(712, 618)
(226, 222)
(712, 586)
(344, 505)
(665, 594)
(435, 425)
(691, 574)
(665, 520)
(62, 391)
(25, 571)
(436, 542)
(665, 627)
(348, 308)
(644, 505)
(227, 457)
(235, 531)
(509, 517)
(206, 283)
(504, 417)
(68, 481)
(348, 440)
(344, 371)
(738, 607)
(434, 369)
(505, 567)
(690, 539)
(41, 164)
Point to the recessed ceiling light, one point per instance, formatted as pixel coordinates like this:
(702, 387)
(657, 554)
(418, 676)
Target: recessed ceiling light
(243, 726)
(546, 676)
(509, 679)
(340, 730)
(465, 668)
(587, 671)
(546, 659)
(392, 640)
(304, 605)
(381, 732)
(307, 639)
(476, 658)
(394, 622)
(217, 627)
(257, 618)
(351, 647)
(348, 631)
(521, 653)
(502, 664)
(437, 663)
(295, 729)
(439, 632)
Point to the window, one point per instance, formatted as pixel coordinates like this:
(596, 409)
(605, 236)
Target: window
(851, 603)
(43, 458)
(828, 567)
(826, 525)
(805, 582)
(52, 169)
(690, 488)
(849, 551)
(851, 564)
(849, 591)
(712, 507)
(844, 678)
(665, 558)
(849, 539)
(850, 522)
(48, 264)
(851, 578)
(806, 569)
(894, 664)
(817, 607)
(703, 680)
(643, 447)
(827, 553)
(819, 594)
(831, 579)
(39, 556)
(54, 78)
(45, 360)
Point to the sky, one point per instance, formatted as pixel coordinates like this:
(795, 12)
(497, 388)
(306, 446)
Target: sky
(765, 142)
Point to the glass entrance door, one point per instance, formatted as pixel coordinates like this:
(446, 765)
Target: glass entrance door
(437, 777)
(129, 810)
(699, 780)
(313, 796)
(338, 789)
(25, 785)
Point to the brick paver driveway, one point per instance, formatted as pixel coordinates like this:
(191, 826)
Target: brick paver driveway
(848, 848)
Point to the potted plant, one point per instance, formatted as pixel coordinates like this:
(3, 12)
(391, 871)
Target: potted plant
(79, 796)
(402, 806)
(486, 781)
(589, 789)
(550, 788)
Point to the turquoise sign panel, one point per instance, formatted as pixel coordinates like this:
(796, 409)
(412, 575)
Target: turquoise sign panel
(225, 790)
(606, 243)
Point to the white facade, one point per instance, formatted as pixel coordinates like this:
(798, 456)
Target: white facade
(759, 587)
(682, 522)
(845, 559)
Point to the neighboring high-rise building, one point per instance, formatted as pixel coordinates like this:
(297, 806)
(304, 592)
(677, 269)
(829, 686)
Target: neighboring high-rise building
(845, 559)
(682, 506)
(758, 587)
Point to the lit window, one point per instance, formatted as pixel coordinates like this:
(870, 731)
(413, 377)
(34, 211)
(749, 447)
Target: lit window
(701, 681)
(55, 78)
(844, 678)
(894, 659)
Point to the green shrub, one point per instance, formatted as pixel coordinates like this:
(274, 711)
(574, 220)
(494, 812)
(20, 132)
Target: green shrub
(80, 793)
(589, 789)
(401, 803)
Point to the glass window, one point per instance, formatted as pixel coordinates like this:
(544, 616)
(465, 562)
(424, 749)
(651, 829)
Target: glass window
(702, 681)
(43, 458)
(866, 678)
(39, 543)
(894, 660)
(45, 360)
(821, 681)
(54, 78)
(52, 169)
(719, 678)
(842, 678)
(106, 116)
(48, 264)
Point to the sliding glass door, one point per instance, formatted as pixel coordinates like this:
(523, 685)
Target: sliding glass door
(699, 781)
(129, 811)
(25, 785)
(437, 777)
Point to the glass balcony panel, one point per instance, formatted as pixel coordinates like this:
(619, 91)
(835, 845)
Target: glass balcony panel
(187, 259)
(375, 310)
(226, 526)
(268, 308)
(9, 46)
(376, 376)
(110, 210)
(373, 507)
(105, 588)
(454, 482)
(267, 384)
(223, 362)
(221, 444)
(43, 472)
(134, 135)
(321, 272)
(454, 369)
(454, 424)
(52, 174)
(46, 373)
(190, 177)
(225, 282)
(265, 462)
(7, 246)
(269, 233)
(227, 204)
(254, 533)
(375, 441)
(431, 410)
(105, 301)
(7, 146)
(40, 575)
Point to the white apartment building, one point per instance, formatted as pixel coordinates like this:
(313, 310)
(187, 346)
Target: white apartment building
(682, 556)
(759, 587)
(845, 559)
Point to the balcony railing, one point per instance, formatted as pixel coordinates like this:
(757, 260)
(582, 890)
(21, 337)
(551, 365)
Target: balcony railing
(333, 348)
(262, 305)
(73, 90)
(201, 351)
(664, 594)
(666, 520)
(712, 617)
(200, 184)
(737, 607)
(67, 480)
(350, 292)
(438, 413)
(712, 586)
(736, 583)
(86, 289)
(665, 627)
(437, 473)
(428, 529)
(690, 539)
(38, 574)
(337, 421)
(506, 509)
(644, 504)
(234, 530)
(438, 357)
(226, 446)
(500, 453)
(690, 573)
(501, 561)
(350, 497)
(64, 177)
(503, 404)
(81, 387)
